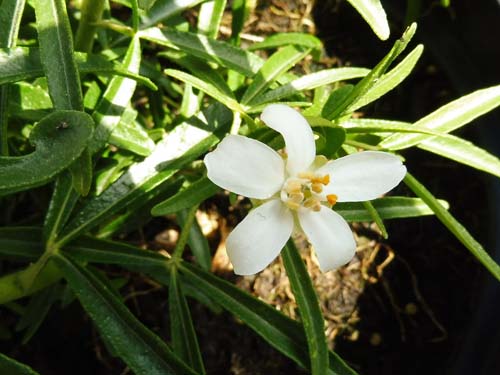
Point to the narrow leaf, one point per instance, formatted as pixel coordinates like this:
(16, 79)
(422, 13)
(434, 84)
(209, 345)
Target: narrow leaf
(449, 117)
(310, 312)
(210, 17)
(279, 62)
(10, 19)
(163, 9)
(182, 145)
(286, 39)
(205, 48)
(375, 216)
(23, 63)
(370, 80)
(116, 98)
(310, 82)
(192, 195)
(12, 367)
(464, 152)
(453, 225)
(387, 208)
(21, 243)
(137, 346)
(207, 88)
(184, 339)
(390, 80)
(131, 136)
(278, 330)
(61, 205)
(374, 14)
(197, 241)
(56, 53)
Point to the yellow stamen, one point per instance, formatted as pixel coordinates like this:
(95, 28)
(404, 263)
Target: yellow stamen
(306, 175)
(332, 199)
(293, 187)
(313, 204)
(296, 197)
(292, 205)
(317, 187)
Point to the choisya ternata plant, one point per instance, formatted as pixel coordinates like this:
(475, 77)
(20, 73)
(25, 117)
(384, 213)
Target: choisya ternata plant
(97, 137)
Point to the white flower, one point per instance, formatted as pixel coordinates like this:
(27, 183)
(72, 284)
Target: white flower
(296, 191)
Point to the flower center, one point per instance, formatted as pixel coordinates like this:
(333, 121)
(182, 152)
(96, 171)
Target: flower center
(305, 191)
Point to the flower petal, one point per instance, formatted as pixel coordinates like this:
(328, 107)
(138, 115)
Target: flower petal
(363, 176)
(259, 238)
(330, 236)
(246, 166)
(299, 138)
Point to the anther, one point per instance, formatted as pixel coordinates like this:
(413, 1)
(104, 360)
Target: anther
(313, 204)
(296, 197)
(293, 187)
(332, 199)
(306, 175)
(317, 187)
(292, 205)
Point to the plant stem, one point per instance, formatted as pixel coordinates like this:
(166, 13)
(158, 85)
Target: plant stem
(91, 14)
(186, 228)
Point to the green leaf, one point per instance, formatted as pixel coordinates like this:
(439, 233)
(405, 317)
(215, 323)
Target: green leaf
(163, 9)
(56, 54)
(389, 80)
(136, 345)
(286, 39)
(81, 173)
(131, 136)
(61, 205)
(36, 311)
(193, 194)
(88, 249)
(196, 241)
(10, 14)
(21, 243)
(240, 10)
(23, 63)
(309, 82)
(116, 98)
(370, 126)
(200, 69)
(282, 333)
(12, 367)
(277, 64)
(387, 208)
(27, 281)
(375, 216)
(449, 117)
(329, 141)
(28, 101)
(205, 48)
(184, 339)
(462, 151)
(374, 14)
(10, 19)
(370, 80)
(182, 145)
(207, 88)
(310, 312)
(210, 17)
(453, 225)
(59, 139)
